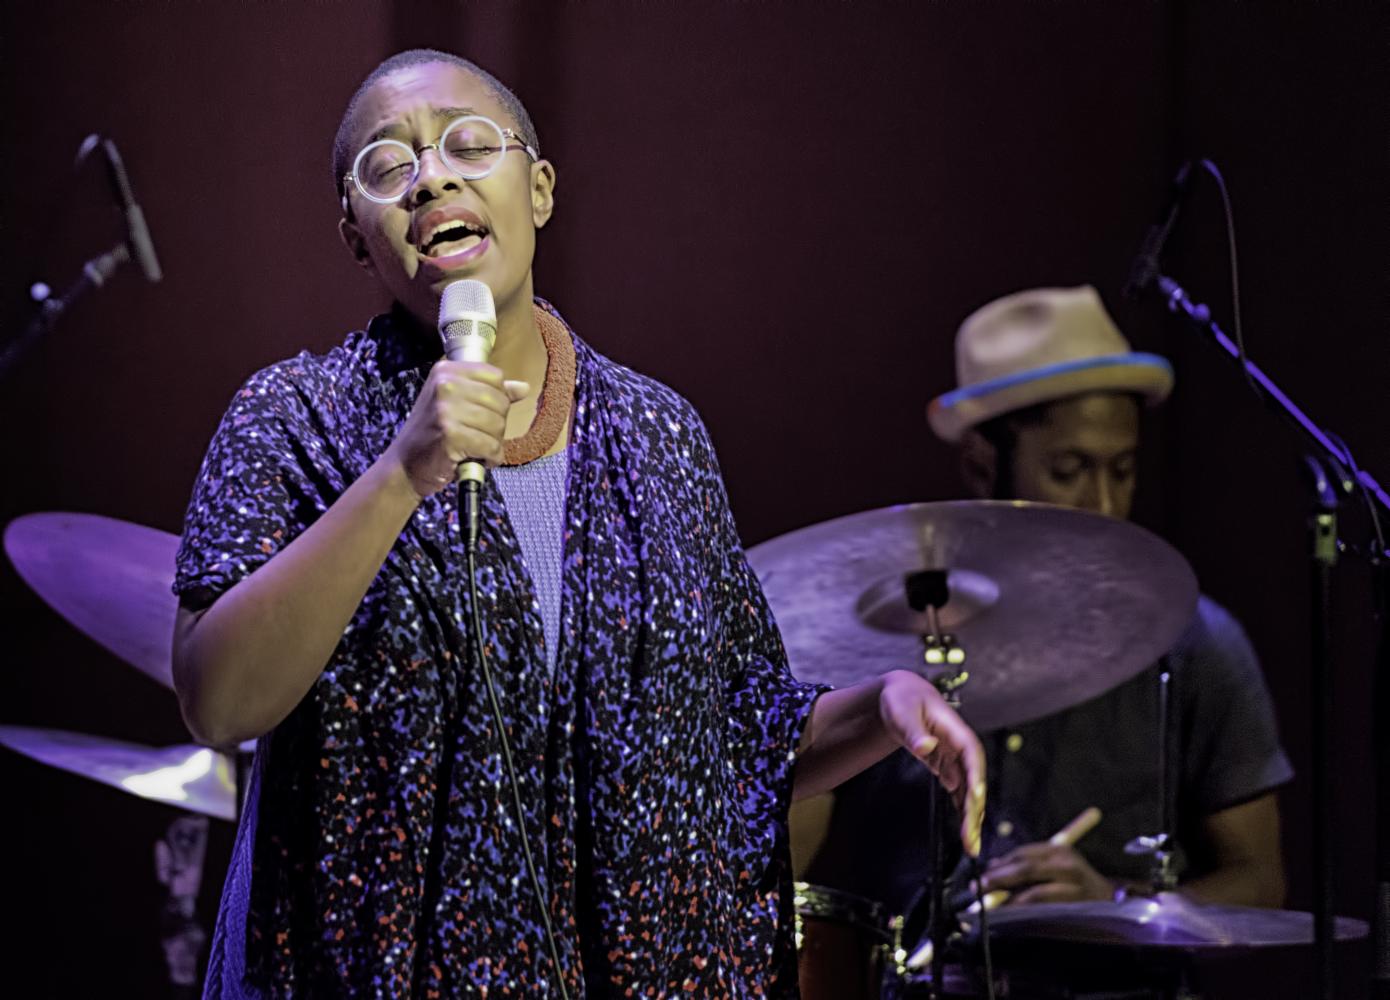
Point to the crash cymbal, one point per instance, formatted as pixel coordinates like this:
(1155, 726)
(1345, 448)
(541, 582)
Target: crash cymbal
(109, 578)
(190, 777)
(1053, 606)
(1168, 922)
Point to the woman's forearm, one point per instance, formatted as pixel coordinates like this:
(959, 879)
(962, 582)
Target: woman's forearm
(854, 728)
(245, 662)
(844, 736)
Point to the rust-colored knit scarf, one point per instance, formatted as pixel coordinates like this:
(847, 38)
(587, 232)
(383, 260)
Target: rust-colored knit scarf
(557, 395)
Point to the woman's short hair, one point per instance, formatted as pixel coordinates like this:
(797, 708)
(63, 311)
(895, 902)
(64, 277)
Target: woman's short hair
(343, 150)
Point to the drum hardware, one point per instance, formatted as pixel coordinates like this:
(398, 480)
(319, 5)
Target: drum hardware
(897, 958)
(1161, 846)
(927, 592)
(179, 867)
(847, 947)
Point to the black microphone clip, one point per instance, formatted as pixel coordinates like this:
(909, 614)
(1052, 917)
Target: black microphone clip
(1145, 270)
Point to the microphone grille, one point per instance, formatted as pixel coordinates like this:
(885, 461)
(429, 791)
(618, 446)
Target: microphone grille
(466, 299)
(467, 320)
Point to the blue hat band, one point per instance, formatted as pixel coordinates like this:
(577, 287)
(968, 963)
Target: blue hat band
(991, 386)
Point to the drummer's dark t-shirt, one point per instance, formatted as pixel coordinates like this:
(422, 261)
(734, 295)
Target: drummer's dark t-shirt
(1102, 753)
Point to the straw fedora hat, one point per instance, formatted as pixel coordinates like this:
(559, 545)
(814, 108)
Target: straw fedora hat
(1036, 346)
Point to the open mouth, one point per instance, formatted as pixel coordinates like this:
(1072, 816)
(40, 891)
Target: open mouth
(451, 237)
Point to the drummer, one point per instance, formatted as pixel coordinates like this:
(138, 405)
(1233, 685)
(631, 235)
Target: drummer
(1048, 409)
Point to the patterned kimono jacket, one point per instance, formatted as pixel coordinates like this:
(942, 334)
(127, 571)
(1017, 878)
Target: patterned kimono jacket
(655, 763)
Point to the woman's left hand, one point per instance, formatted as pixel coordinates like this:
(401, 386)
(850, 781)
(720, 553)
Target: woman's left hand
(918, 718)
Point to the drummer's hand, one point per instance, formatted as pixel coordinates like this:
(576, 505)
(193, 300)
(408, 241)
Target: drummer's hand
(918, 718)
(460, 414)
(1046, 873)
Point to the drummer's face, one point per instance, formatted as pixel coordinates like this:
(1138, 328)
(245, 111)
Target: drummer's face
(1081, 454)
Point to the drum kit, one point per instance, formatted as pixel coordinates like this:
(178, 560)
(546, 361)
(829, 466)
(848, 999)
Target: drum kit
(1015, 610)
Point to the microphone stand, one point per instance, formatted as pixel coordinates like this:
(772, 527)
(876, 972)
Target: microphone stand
(1334, 474)
(95, 273)
(1322, 532)
(1380, 749)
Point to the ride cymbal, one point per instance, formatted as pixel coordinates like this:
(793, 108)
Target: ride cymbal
(1053, 606)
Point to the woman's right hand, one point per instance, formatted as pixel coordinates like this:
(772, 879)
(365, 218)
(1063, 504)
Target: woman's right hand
(460, 415)
(242, 664)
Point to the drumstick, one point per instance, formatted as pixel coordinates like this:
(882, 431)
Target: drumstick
(1086, 821)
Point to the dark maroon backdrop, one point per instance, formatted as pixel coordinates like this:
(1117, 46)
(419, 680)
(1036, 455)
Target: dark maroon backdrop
(783, 210)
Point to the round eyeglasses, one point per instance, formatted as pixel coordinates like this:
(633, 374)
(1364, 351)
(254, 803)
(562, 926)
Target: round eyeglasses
(470, 147)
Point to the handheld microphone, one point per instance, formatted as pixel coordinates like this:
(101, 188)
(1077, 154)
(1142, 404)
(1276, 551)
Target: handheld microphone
(468, 326)
(1145, 267)
(137, 231)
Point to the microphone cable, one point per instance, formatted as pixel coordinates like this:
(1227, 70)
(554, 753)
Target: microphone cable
(470, 490)
(977, 873)
(1230, 218)
(1357, 483)
(468, 327)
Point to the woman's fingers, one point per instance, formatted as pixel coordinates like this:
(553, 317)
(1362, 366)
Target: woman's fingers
(936, 735)
(973, 813)
(911, 726)
(460, 415)
(962, 769)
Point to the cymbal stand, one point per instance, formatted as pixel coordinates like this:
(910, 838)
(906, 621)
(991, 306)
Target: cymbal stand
(1160, 846)
(927, 592)
(179, 867)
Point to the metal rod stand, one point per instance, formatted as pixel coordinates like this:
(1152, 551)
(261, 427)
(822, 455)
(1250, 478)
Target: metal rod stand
(1380, 712)
(1322, 526)
(95, 273)
(928, 591)
(1333, 469)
